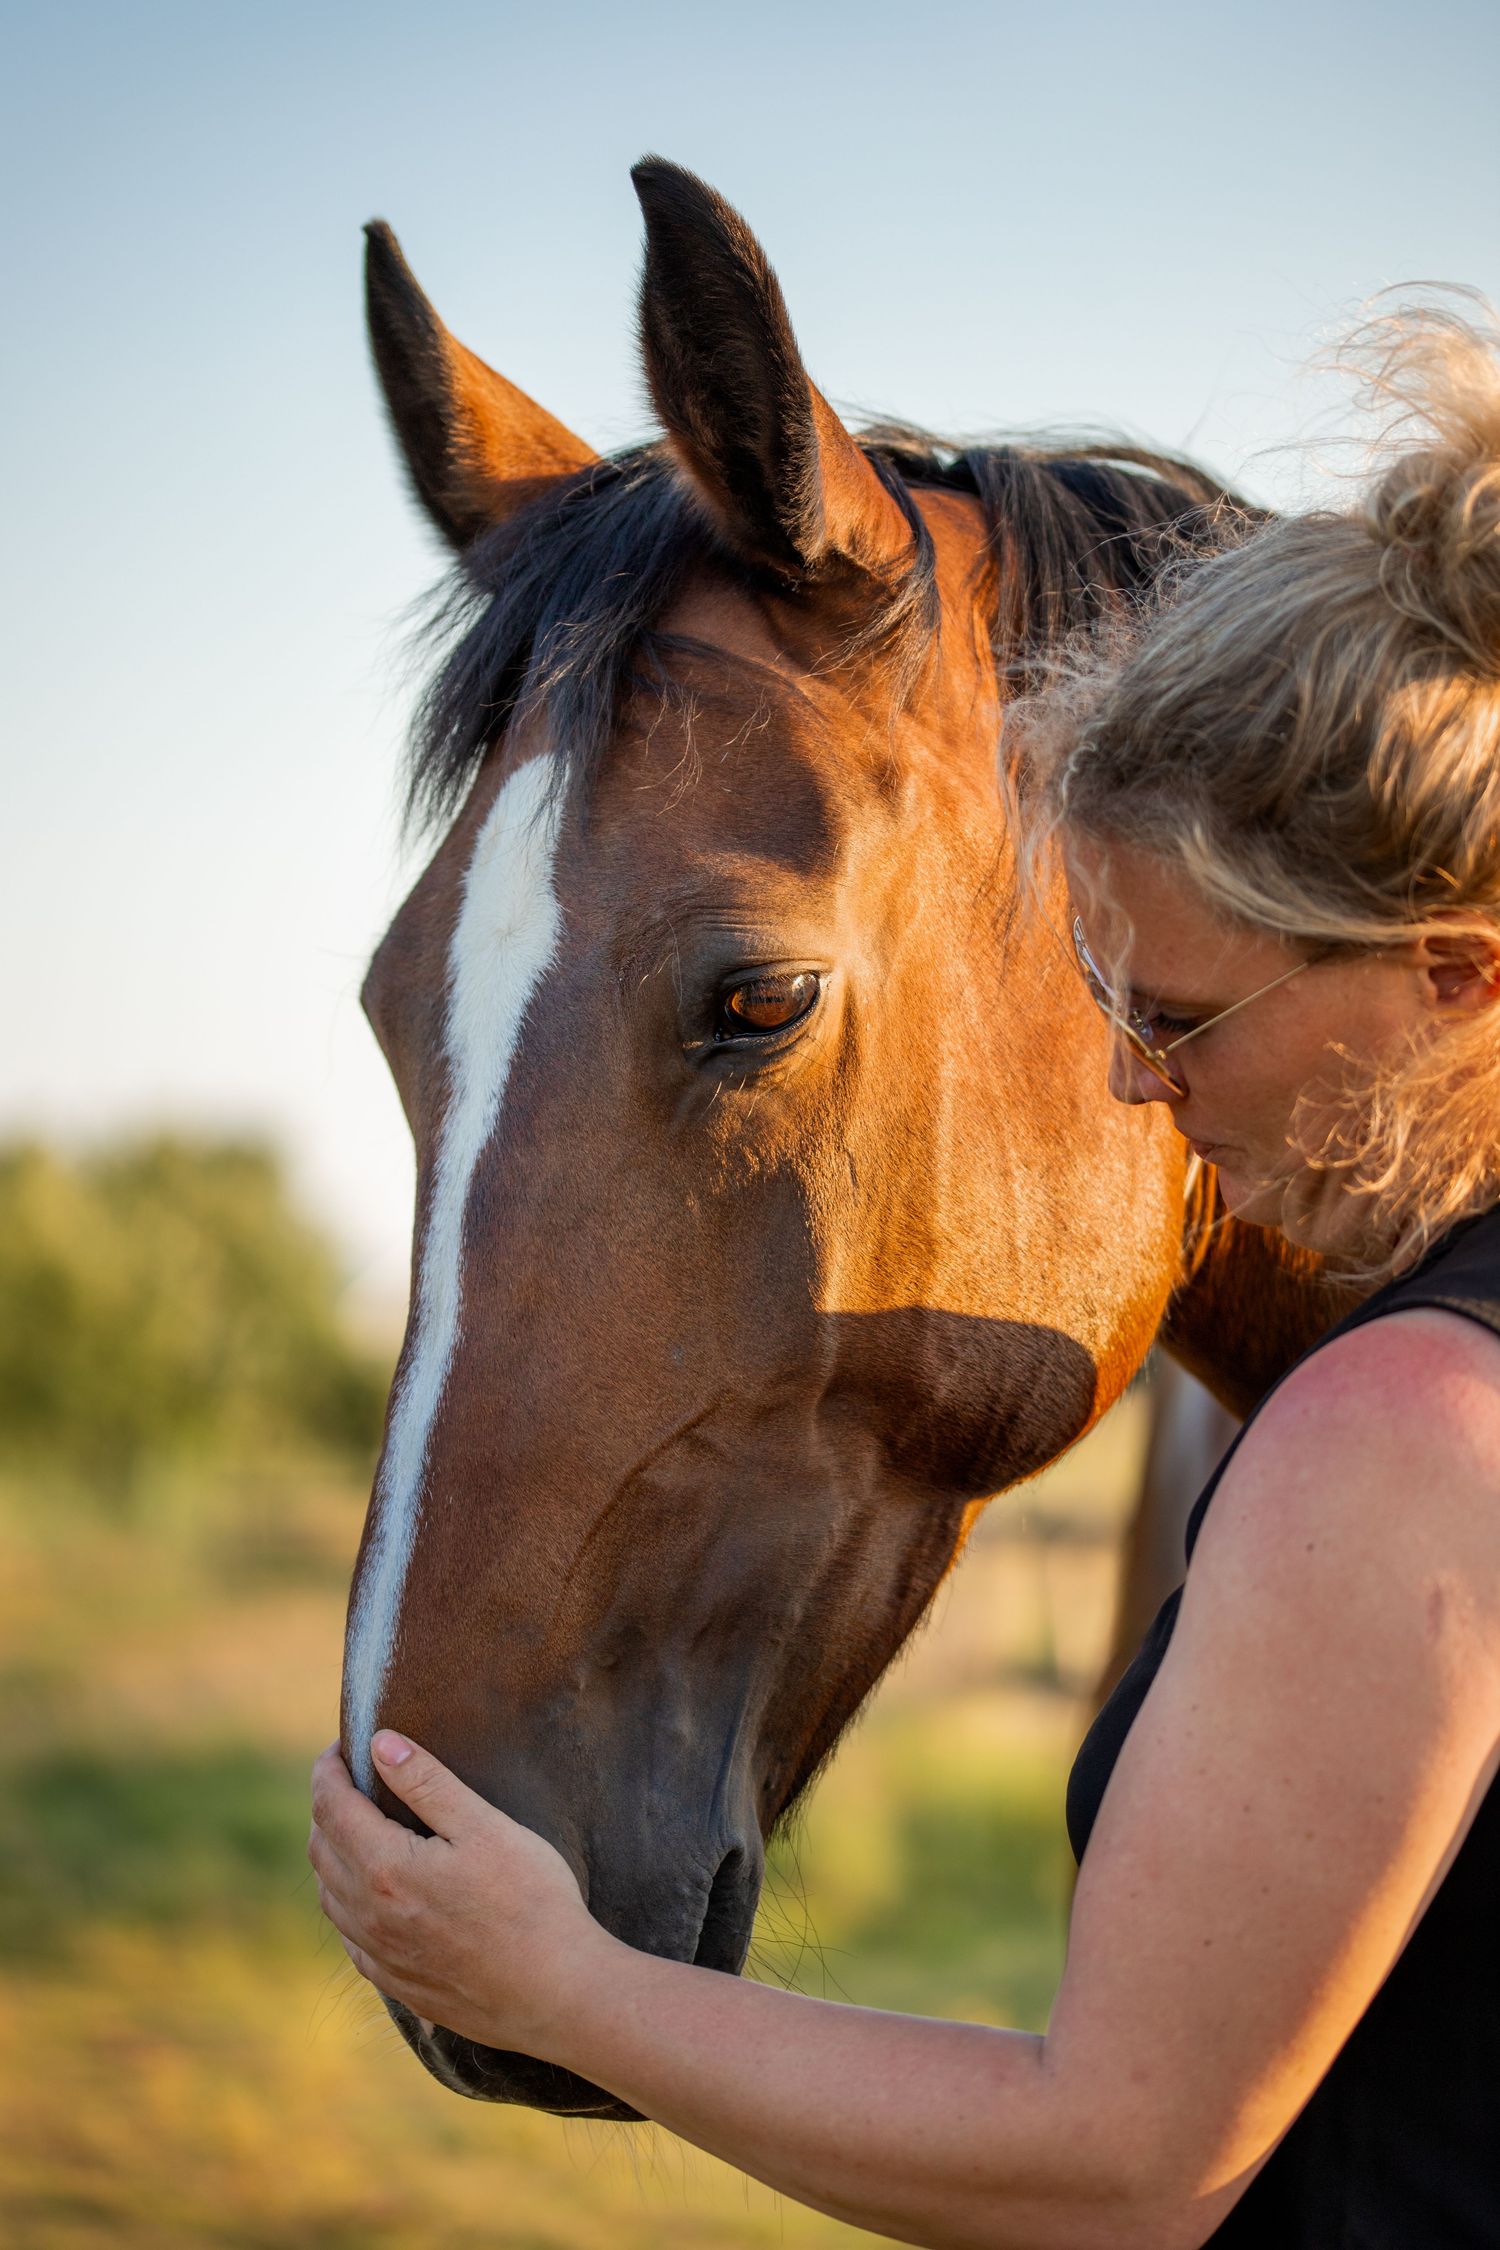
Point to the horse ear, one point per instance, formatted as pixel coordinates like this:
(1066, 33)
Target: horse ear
(785, 481)
(476, 449)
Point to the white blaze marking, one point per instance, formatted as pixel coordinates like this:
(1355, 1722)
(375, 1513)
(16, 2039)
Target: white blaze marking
(504, 941)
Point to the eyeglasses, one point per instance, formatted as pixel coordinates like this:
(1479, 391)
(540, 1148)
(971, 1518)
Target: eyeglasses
(1137, 1029)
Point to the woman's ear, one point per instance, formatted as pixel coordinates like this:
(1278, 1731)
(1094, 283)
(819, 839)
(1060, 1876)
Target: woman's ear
(1459, 964)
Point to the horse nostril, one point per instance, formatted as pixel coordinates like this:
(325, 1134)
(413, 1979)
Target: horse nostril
(724, 1937)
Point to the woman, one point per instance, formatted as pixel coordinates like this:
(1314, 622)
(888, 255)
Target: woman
(1279, 816)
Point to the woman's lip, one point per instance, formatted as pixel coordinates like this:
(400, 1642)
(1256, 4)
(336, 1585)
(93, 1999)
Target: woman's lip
(1209, 1151)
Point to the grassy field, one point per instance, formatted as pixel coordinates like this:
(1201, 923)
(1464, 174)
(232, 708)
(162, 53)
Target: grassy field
(185, 2057)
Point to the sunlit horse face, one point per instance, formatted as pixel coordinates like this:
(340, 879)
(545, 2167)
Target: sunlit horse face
(770, 1211)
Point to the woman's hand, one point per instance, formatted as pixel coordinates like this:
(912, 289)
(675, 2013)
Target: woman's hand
(479, 1926)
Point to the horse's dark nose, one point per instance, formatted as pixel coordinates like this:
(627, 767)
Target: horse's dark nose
(729, 1915)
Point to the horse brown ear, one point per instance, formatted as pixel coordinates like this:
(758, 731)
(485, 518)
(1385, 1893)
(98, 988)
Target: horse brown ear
(475, 447)
(784, 480)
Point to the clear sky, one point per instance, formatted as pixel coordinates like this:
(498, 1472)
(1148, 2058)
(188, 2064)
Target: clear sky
(983, 215)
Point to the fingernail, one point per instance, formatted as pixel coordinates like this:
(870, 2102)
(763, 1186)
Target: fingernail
(391, 1749)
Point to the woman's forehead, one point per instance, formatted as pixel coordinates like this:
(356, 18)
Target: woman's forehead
(1149, 918)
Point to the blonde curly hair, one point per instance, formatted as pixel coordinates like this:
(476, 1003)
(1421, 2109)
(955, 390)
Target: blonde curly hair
(1309, 722)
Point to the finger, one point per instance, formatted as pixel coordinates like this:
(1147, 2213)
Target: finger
(389, 1981)
(447, 1805)
(334, 1874)
(366, 1967)
(382, 1954)
(323, 1855)
(346, 1919)
(353, 1865)
(414, 1998)
(356, 1828)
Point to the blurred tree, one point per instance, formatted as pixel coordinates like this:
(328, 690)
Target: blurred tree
(164, 1298)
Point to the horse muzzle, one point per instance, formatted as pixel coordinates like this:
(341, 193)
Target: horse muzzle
(492, 2074)
(714, 1933)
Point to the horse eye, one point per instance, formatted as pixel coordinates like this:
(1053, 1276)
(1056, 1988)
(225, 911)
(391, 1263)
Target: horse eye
(765, 1004)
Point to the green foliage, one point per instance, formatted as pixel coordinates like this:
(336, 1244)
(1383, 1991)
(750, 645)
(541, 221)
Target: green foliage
(163, 1837)
(165, 1300)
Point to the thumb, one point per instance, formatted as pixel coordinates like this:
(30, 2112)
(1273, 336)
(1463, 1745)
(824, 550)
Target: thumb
(449, 1807)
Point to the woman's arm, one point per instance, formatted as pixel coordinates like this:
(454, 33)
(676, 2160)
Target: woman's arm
(1293, 1790)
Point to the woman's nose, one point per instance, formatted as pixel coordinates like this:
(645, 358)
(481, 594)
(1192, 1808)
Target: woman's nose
(1130, 1080)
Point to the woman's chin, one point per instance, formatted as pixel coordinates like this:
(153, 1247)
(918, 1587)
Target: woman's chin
(1256, 1201)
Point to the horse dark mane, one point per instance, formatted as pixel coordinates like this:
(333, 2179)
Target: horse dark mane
(560, 605)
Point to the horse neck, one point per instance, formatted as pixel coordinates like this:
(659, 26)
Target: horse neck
(1250, 1303)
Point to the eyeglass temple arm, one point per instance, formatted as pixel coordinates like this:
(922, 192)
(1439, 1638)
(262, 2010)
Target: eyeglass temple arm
(1235, 1006)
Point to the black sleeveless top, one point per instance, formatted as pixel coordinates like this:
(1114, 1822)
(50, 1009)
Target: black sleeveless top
(1399, 2148)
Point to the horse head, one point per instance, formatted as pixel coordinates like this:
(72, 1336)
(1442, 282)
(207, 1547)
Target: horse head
(769, 1216)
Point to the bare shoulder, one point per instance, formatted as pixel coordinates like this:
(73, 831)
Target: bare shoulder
(1380, 1455)
(1422, 1376)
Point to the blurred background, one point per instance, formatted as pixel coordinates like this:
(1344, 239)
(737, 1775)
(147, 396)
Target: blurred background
(984, 217)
